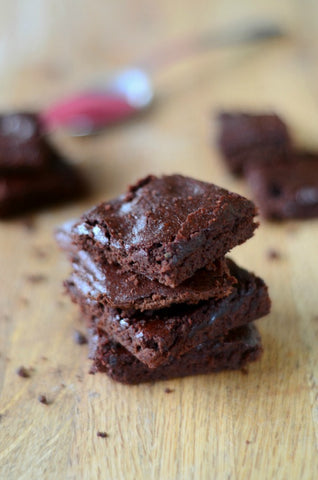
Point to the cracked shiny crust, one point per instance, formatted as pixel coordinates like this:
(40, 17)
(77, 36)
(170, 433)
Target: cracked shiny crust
(166, 228)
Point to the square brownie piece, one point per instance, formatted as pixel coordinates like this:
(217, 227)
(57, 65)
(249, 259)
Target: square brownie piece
(238, 348)
(154, 336)
(113, 287)
(252, 138)
(286, 190)
(166, 228)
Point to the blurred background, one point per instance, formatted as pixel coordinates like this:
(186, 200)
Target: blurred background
(62, 43)
(192, 53)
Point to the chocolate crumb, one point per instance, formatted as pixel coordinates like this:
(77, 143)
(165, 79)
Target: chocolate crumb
(28, 223)
(36, 278)
(248, 442)
(24, 301)
(23, 372)
(169, 390)
(39, 252)
(273, 254)
(79, 338)
(43, 399)
(292, 229)
(102, 434)
(244, 370)
(44, 358)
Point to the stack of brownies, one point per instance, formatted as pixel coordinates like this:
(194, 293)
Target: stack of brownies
(150, 277)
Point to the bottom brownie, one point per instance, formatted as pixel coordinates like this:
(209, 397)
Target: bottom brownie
(240, 346)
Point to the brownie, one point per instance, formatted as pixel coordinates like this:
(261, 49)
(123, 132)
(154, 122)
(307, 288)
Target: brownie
(23, 146)
(234, 351)
(117, 288)
(166, 228)
(21, 193)
(32, 174)
(112, 286)
(252, 138)
(286, 190)
(154, 336)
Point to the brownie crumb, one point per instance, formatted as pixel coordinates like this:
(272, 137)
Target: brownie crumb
(39, 252)
(44, 358)
(24, 372)
(102, 434)
(43, 399)
(248, 442)
(273, 254)
(36, 278)
(169, 390)
(79, 338)
(28, 223)
(292, 229)
(244, 370)
(24, 301)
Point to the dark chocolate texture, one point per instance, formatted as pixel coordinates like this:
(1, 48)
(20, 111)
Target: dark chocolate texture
(154, 336)
(234, 351)
(23, 146)
(21, 193)
(32, 174)
(166, 228)
(252, 138)
(286, 191)
(111, 286)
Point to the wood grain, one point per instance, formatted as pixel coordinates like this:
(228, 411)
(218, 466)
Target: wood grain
(262, 425)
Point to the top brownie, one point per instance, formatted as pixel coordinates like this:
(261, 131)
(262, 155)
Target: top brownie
(23, 146)
(245, 138)
(166, 227)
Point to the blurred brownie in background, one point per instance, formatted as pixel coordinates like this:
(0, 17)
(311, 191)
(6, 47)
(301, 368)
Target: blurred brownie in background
(284, 190)
(32, 173)
(245, 138)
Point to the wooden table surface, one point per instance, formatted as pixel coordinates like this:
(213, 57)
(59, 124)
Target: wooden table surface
(262, 425)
